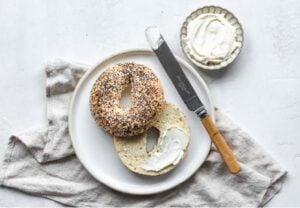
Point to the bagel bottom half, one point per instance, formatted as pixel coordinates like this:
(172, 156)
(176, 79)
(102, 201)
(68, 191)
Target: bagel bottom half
(172, 144)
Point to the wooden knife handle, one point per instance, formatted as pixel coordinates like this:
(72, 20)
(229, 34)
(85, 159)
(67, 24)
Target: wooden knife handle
(221, 145)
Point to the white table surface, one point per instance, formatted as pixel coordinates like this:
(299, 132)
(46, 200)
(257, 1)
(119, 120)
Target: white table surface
(261, 90)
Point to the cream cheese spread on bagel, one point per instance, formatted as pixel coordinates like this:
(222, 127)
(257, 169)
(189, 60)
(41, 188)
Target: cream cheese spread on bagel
(170, 149)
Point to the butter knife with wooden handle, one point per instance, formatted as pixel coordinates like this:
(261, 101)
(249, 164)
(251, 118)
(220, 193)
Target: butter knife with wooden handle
(189, 96)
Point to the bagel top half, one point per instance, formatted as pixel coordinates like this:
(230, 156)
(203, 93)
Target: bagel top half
(147, 99)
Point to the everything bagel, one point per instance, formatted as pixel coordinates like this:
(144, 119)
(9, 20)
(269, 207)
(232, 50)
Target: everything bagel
(147, 99)
(172, 144)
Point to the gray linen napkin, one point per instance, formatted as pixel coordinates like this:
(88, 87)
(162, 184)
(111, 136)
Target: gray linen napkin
(41, 161)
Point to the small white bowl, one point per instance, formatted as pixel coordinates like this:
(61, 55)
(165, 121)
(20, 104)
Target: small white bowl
(239, 36)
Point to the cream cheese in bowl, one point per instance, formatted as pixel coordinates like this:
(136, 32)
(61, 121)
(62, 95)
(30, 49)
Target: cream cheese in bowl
(211, 37)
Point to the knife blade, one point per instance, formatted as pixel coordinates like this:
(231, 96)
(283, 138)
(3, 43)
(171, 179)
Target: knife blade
(188, 95)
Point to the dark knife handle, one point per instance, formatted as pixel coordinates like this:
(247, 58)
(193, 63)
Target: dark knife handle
(221, 145)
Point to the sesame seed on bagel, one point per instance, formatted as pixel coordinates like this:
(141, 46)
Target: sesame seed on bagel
(147, 99)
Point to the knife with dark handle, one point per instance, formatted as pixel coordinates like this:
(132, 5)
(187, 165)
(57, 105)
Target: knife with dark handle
(189, 96)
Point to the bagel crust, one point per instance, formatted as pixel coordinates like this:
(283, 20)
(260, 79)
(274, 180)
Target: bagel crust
(147, 99)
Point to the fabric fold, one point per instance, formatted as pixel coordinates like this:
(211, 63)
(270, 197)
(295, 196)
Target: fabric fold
(41, 161)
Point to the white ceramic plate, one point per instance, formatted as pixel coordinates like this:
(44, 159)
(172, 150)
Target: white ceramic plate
(95, 148)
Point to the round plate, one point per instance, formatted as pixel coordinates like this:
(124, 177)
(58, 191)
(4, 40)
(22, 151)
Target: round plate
(95, 148)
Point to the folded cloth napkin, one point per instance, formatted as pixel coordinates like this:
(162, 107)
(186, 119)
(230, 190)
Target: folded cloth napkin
(41, 161)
